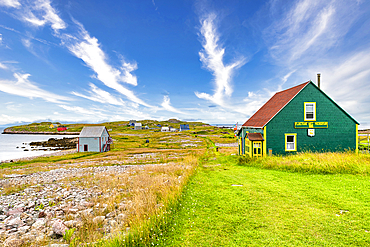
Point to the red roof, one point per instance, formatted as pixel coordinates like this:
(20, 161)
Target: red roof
(273, 106)
(255, 136)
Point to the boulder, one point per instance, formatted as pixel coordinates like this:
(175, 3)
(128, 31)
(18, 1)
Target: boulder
(59, 227)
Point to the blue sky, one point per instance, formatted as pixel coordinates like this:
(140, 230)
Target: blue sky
(212, 61)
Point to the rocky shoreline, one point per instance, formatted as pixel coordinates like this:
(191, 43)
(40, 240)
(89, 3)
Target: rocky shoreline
(57, 153)
(49, 205)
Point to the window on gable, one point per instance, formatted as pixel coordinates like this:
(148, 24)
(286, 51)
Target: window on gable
(310, 111)
(290, 142)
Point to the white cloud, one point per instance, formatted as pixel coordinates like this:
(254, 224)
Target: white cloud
(80, 110)
(88, 49)
(40, 13)
(99, 95)
(2, 66)
(166, 104)
(308, 28)
(212, 58)
(27, 43)
(25, 88)
(346, 81)
(10, 3)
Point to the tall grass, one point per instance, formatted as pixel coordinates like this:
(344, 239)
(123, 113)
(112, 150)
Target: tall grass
(314, 163)
(154, 196)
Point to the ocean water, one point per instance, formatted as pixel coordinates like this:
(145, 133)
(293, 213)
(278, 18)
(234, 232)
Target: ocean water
(9, 144)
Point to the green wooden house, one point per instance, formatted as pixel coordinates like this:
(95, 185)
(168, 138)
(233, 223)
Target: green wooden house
(301, 118)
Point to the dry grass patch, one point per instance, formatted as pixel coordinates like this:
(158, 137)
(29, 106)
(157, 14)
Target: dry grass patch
(130, 198)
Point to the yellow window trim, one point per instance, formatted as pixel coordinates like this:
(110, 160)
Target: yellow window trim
(295, 142)
(314, 111)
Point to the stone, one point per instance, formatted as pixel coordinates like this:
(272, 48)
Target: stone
(13, 241)
(15, 212)
(14, 223)
(121, 217)
(87, 212)
(59, 227)
(23, 229)
(39, 224)
(40, 237)
(98, 219)
(28, 237)
(42, 214)
(113, 223)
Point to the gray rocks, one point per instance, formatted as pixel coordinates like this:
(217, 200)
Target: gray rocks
(48, 206)
(59, 227)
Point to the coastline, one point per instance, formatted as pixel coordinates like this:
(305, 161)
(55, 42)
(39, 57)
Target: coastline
(38, 133)
(56, 153)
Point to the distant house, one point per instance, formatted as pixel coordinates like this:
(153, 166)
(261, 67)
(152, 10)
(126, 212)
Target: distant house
(158, 125)
(52, 126)
(132, 122)
(138, 126)
(184, 127)
(61, 128)
(301, 118)
(94, 139)
(165, 129)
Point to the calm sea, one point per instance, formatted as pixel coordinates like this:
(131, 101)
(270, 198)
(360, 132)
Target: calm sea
(9, 144)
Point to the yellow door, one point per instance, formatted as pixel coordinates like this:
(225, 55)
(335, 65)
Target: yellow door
(257, 149)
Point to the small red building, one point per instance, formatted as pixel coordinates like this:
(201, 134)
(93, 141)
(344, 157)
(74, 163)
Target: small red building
(61, 128)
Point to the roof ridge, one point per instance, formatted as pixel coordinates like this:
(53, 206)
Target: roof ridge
(273, 106)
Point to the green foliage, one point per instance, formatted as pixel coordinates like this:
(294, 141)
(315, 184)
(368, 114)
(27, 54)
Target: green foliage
(39, 207)
(68, 235)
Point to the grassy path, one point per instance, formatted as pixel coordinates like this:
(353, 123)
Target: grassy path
(271, 208)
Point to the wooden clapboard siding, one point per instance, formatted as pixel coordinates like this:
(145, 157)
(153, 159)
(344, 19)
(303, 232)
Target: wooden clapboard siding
(339, 136)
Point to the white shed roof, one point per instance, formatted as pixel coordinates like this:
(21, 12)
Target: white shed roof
(92, 131)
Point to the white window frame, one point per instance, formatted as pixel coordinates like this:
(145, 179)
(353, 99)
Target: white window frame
(290, 149)
(305, 111)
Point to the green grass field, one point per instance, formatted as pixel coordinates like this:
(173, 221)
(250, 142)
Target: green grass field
(270, 208)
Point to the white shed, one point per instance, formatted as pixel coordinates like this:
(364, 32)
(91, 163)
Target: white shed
(138, 126)
(165, 129)
(94, 139)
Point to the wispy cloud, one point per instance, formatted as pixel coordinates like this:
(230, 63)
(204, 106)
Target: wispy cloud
(10, 3)
(2, 66)
(41, 13)
(308, 28)
(166, 104)
(81, 110)
(25, 88)
(347, 81)
(88, 49)
(99, 95)
(212, 58)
